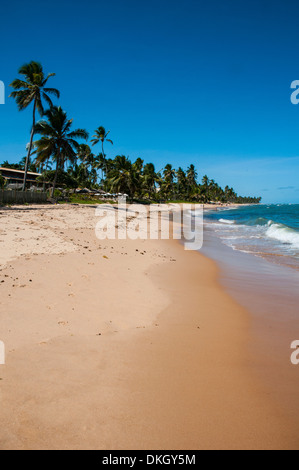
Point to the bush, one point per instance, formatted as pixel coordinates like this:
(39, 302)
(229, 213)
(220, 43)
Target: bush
(2, 182)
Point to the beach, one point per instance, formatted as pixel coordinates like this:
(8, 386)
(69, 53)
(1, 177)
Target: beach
(122, 344)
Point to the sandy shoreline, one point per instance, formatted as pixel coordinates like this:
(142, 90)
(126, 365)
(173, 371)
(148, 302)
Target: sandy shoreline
(122, 344)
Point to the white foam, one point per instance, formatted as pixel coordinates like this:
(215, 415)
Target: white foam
(283, 235)
(225, 221)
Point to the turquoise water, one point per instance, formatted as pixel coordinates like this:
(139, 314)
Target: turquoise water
(270, 231)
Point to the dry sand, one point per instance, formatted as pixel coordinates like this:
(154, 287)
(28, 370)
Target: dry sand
(122, 344)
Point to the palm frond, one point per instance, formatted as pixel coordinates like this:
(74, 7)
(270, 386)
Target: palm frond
(79, 134)
(47, 99)
(17, 84)
(52, 91)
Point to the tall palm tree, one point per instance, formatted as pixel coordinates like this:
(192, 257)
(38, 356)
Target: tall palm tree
(101, 136)
(57, 140)
(192, 181)
(169, 175)
(137, 169)
(206, 181)
(150, 178)
(181, 182)
(192, 176)
(32, 89)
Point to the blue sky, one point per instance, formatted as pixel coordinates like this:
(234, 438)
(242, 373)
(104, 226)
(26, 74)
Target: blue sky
(176, 82)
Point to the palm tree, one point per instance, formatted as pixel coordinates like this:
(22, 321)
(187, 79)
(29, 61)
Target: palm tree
(87, 157)
(90, 164)
(101, 163)
(192, 176)
(169, 175)
(31, 166)
(150, 178)
(181, 183)
(57, 141)
(192, 181)
(137, 169)
(121, 177)
(32, 89)
(205, 181)
(101, 136)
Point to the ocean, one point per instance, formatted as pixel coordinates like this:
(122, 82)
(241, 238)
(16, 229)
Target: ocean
(269, 231)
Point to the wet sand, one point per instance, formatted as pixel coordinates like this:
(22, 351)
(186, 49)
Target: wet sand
(270, 293)
(124, 345)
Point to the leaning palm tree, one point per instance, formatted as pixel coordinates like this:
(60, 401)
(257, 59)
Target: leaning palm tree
(57, 140)
(101, 136)
(32, 89)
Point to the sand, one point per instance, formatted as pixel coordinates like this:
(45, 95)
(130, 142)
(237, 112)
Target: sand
(122, 344)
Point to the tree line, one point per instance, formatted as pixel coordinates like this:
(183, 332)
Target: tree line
(53, 141)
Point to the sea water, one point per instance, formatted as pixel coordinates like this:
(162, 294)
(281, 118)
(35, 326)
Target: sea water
(269, 231)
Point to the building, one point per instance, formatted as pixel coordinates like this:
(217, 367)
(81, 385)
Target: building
(14, 178)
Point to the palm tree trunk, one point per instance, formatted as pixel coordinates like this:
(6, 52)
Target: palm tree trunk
(55, 178)
(106, 169)
(30, 148)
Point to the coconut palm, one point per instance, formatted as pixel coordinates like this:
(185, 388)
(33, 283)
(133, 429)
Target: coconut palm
(181, 183)
(32, 89)
(101, 136)
(137, 169)
(169, 175)
(57, 140)
(150, 178)
(205, 181)
(192, 176)
(102, 163)
(121, 177)
(87, 158)
(85, 155)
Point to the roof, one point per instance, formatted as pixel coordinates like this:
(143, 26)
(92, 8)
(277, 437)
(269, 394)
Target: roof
(19, 171)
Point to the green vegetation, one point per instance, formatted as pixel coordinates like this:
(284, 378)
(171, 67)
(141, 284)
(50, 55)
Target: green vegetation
(76, 165)
(57, 140)
(2, 182)
(84, 199)
(31, 89)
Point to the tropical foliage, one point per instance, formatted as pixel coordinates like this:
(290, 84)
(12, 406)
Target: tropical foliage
(32, 89)
(57, 141)
(64, 160)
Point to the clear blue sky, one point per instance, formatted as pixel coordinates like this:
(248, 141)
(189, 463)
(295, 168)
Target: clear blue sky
(203, 82)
